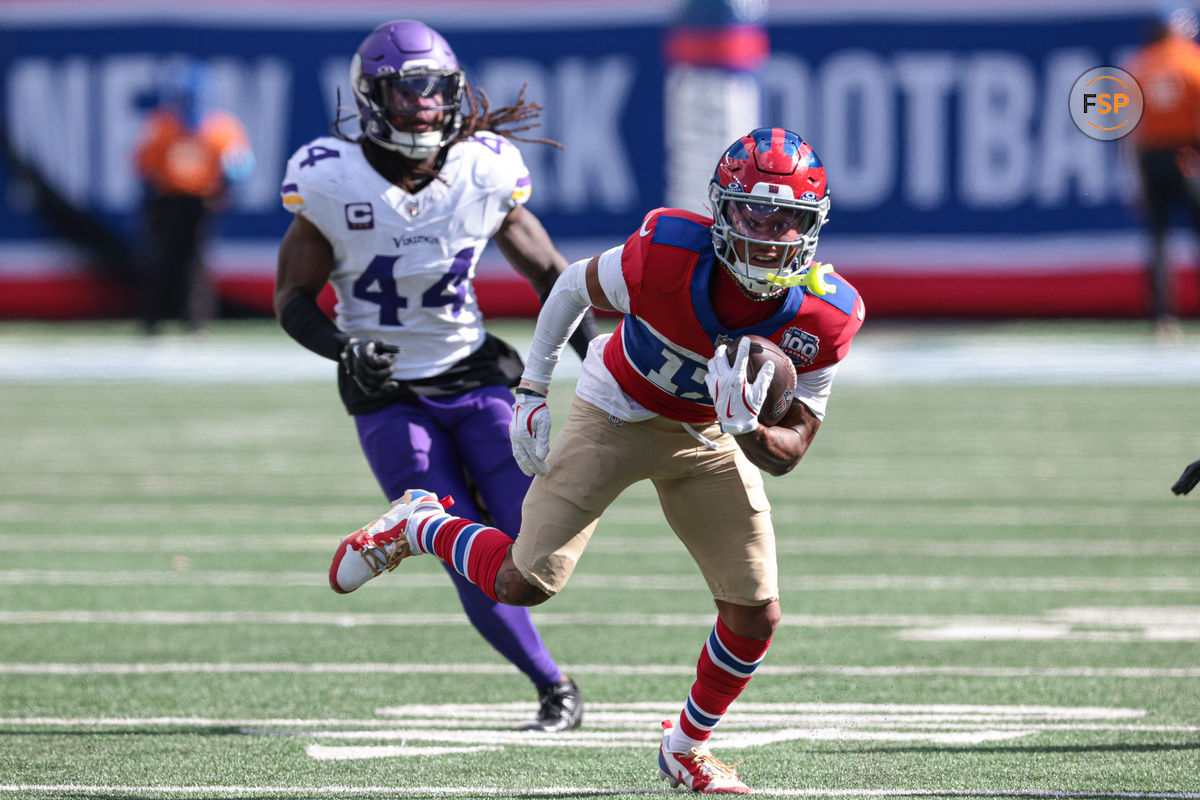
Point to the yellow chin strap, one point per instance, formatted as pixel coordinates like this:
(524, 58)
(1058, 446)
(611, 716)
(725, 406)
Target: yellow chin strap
(813, 280)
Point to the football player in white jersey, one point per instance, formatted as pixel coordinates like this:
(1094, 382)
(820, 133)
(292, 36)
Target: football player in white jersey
(396, 220)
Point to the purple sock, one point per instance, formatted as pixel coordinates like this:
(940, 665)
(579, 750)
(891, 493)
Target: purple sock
(430, 445)
(510, 630)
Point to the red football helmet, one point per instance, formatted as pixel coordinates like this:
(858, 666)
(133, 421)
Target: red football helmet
(768, 190)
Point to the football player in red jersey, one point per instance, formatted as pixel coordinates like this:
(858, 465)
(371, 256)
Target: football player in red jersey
(646, 408)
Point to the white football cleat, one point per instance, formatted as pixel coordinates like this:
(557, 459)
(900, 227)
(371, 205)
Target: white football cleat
(382, 545)
(697, 769)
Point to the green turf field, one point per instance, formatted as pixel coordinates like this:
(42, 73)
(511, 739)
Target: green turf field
(988, 590)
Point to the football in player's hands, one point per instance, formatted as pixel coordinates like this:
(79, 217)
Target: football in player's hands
(783, 383)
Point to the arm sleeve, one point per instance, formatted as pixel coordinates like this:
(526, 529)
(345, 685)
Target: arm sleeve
(583, 334)
(558, 318)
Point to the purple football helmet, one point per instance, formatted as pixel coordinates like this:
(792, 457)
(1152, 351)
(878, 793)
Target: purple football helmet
(408, 87)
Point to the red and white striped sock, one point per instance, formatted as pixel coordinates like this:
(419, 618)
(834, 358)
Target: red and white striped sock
(726, 665)
(474, 551)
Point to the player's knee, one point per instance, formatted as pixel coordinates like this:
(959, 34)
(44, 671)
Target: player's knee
(513, 589)
(772, 614)
(519, 592)
(753, 622)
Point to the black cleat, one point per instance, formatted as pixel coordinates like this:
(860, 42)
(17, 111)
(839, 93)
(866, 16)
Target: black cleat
(1188, 480)
(561, 708)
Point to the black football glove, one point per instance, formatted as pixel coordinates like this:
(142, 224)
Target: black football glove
(1188, 480)
(369, 362)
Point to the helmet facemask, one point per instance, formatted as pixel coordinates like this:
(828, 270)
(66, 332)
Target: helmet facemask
(767, 218)
(415, 112)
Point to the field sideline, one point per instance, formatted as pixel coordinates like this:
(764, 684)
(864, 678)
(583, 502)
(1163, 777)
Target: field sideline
(989, 590)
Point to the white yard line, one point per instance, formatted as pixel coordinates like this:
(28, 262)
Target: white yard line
(420, 730)
(811, 583)
(1032, 548)
(614, 541)
(152, 790)
(380, 668)
(1103, 624)
(435, 720)
(615, 722)
(1130, 618)
(320, 752)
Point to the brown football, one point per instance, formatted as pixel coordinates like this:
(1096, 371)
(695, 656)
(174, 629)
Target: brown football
(783, 382)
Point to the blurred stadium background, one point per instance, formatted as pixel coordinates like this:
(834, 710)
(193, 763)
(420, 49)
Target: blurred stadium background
(960, 185)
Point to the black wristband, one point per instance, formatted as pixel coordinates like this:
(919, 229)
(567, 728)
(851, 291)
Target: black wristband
(305, 322)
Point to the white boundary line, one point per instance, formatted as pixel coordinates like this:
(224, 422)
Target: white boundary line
(1126, 361)
(380, 668)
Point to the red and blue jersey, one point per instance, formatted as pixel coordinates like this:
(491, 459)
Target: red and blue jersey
(659, 353)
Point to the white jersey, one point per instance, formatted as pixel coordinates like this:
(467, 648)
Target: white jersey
(403, 263)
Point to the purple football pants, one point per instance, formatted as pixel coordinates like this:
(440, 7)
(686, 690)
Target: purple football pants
(432, 444)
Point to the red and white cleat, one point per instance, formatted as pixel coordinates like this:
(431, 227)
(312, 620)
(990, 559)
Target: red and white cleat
(697, 769)
(382, 545)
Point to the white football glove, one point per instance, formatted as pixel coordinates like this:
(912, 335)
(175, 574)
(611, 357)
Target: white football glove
(736, 400)
(530, 433)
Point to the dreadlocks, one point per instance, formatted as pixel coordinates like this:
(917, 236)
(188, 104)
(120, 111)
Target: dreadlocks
(478, 116)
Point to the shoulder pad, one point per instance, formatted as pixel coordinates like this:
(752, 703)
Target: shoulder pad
(496, 166)
(310, 166)
(841, 295)
(678, 228)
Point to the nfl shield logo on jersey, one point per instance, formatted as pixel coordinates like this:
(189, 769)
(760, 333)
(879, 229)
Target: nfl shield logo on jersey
(802, 346)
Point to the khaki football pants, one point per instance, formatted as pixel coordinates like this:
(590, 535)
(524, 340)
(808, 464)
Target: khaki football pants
(713, 500)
